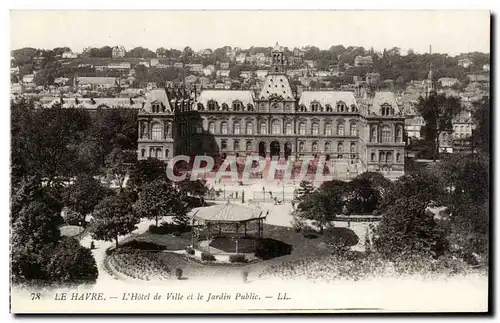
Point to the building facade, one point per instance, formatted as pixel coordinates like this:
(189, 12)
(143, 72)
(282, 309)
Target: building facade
(353, 134)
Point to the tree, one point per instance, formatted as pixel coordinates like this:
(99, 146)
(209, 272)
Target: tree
(379, 183)
(305, 188)
(84, 195)
(113, 217)
(482, 117)
(407, 229)
(72, 263)
(158, 199)
(34, 233)
(145, 171)
(438, 111)
(363, 198)
(116, 163)
(321, 206)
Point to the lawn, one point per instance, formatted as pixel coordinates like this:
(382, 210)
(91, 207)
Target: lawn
(169, 241)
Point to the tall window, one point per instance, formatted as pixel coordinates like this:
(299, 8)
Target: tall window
(200, 107)
(223, 128)
(263, 128)
(151, 152)
(223, 144)
(302, 128)
(225, 107)
(328, 129)
(354, 131)
(156, 131)
(373, 134)
(315, 129)
(198, 128)
(399, 137)
(236, 145)
(340, 147)
(373, 157)
(211, 127)
(341, 107)
(275, 127)
(314, 146)
(289, 128)
(381, 157)
(236, 128)
(340, 129)
(249, 128)
(398, 157)
(353, 147)
(329, 108)
(386, 134)
(388, 157)
(327, 146)
(158, 153)
(248, 146)
(143, 152)
(314, 106)
(301, 146)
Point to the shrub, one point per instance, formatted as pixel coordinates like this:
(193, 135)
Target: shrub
(205, 256)
(178, 273)
(269, 248)
(168, 228)
(189, 250)
(72, 263)
(237, 258)
(143, 245)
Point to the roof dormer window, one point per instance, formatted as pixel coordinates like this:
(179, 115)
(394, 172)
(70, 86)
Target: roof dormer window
(341, 107)
(156, 107)
(386, 110)
(314, 107)
(212, 105)
(237, 106)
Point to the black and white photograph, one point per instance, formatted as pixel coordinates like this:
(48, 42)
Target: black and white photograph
(239, 161)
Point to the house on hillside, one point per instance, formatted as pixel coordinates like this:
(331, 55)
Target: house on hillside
(69, 54)
(118, 51)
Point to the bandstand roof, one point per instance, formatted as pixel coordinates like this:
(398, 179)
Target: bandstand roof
(227, 213)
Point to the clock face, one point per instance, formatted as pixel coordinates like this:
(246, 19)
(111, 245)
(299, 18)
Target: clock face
(275, 105)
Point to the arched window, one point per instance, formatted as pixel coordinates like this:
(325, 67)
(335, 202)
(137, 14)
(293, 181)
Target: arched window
(156, 131)
(381, 157)
(386, 134)
(314, 106)
(143, 152)
(340, 147)
(354, 108)
(158, 153)
(302, 108)
(225, 107)
(314, 146)
(237, 105)
(156, 107)
(327, 146)
(373, 156)
(223, 144)
(328, 129)
(341, 107)
(249, 129)
(302, 129)
(388, 157)
(223, 127)
(212, 105)
(354, 130)
(211, 127)
(198, 128)
(236, 145)
(236, 128)
(387, 110)
(340, 129)
(151, 152)
(275, 127)
(329, 108)
(248, 146)
(301, 146)
(353, 147)
(373, 134)
(398, 157)
(315, 129)
(289, 128)
(167, 153)
(200, 107)
(263, 128)
(249, 107)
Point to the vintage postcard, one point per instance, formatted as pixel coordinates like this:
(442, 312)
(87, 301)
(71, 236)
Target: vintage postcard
(249, 161)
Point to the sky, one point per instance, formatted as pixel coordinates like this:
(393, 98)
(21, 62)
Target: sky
(451, 32)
